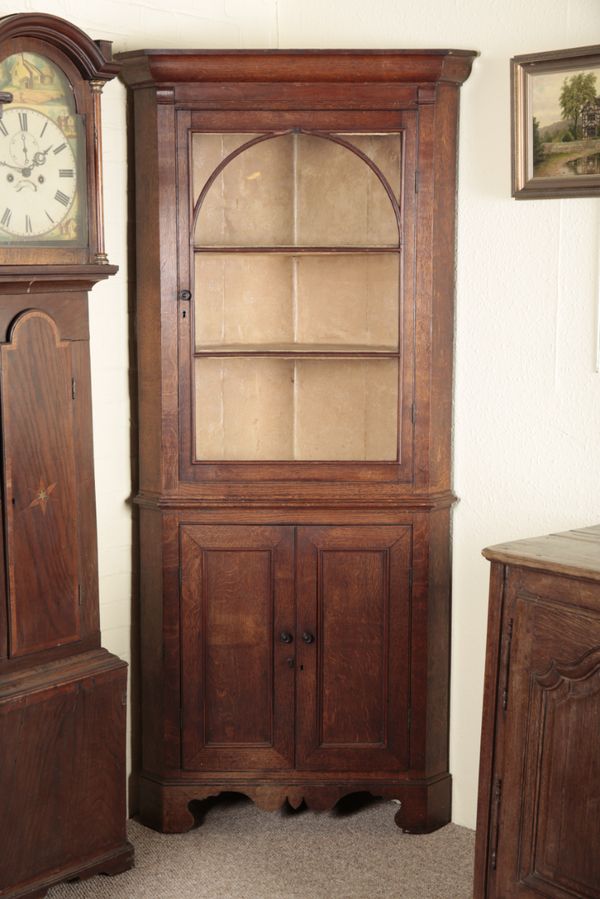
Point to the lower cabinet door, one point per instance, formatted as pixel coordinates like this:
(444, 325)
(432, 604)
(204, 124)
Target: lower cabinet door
(237, 616)
(353, 663)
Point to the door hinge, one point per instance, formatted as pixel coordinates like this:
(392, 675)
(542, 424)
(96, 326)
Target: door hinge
(73, 389)
(79, 599)
(410, 579)
(497, 798)
(417, 181)
(506, 666)
(413, 413)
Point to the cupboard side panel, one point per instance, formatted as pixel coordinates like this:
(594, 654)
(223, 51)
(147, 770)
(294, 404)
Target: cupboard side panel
(445, 156)
(156, 276)
(437, 695)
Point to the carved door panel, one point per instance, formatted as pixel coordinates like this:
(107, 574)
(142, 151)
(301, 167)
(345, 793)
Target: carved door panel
(549, 826)
(39, 486)
(353, 647)
(237, 647)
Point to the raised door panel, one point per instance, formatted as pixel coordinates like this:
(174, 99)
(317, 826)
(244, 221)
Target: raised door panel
(549, 826)
(238, 675)
(40, 486)
(353, 656)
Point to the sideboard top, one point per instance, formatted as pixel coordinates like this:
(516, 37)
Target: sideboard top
(574, 552)
(141, 67)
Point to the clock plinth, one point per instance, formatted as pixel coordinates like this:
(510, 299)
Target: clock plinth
(62, 696)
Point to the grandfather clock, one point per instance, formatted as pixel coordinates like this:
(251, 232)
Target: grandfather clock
(62, 697)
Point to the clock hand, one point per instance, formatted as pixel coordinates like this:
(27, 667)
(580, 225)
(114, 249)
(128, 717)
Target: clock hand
(17, 168)
(25, 154)
(39, 158)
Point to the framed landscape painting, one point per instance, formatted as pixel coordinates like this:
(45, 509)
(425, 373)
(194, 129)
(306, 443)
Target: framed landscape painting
(556, 124)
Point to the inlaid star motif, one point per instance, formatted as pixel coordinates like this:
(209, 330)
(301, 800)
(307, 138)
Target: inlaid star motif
(42, 496)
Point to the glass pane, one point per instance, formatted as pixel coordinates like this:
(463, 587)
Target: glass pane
(251, 202)
(348, 301)
(244, 409)
(385, 150)
(208, 151)
(296, 190)
(284, 409)
(297, 302)
(243, 300)
(340, 200)
(346, 409)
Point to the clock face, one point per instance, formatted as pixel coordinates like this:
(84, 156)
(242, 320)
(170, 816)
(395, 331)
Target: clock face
(43, 175)
(38, 174)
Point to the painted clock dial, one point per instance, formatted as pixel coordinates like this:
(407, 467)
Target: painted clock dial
(42, 156)
(38, 173)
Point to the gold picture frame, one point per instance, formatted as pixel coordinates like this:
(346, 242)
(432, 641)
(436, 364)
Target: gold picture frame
(556, 124)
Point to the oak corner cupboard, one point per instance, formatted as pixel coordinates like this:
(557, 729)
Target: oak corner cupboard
(295, 256)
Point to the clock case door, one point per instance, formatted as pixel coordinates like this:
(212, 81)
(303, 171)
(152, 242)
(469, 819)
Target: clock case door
(47, 489)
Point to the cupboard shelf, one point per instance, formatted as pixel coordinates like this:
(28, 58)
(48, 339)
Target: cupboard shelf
(291, 351)
(300, 251)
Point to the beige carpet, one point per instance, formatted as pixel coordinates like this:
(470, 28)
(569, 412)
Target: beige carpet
(240, 852)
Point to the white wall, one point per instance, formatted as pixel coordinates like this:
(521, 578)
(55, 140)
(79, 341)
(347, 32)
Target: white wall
(527, 410)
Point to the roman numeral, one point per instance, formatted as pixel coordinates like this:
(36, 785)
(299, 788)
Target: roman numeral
(27, 225)
(23, 121)
(49, 216)
(43, 129)
(5, 220)
(66, 173)
(62, 198)
(59, 149)
(3, 129)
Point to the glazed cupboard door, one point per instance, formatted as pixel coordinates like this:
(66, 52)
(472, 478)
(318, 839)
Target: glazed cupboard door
(300, 325)
(237, 608)
(548, 827)
(353, 647)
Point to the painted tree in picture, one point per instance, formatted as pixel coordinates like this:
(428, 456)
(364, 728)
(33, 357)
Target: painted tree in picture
(576, 92)
(538, 147)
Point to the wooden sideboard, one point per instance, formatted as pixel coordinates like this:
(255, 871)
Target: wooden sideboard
(538, 826)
